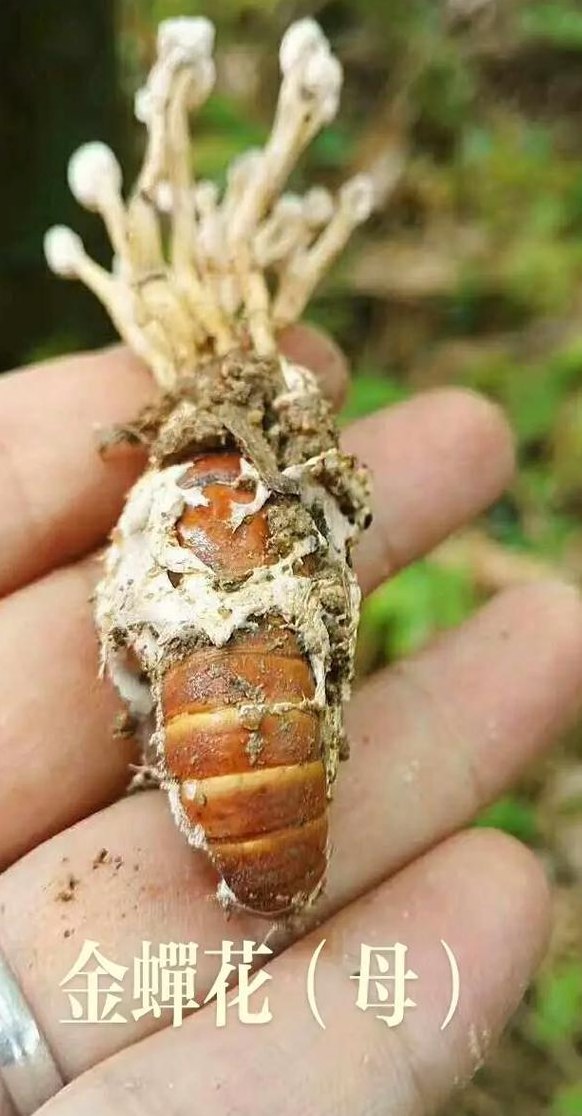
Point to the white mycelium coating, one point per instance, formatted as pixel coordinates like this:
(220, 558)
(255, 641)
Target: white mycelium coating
(140, 607)
(136, 598)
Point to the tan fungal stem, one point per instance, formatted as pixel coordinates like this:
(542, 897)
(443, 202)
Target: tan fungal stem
(67, 257)
(95, 181)
(146, 254)
(279, 233)
(308, 99)
(306, 268)
(239, 265)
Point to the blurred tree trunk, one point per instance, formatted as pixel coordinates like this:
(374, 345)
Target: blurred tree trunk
(58, 88)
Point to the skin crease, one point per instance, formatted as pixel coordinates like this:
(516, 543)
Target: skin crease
(442, 734)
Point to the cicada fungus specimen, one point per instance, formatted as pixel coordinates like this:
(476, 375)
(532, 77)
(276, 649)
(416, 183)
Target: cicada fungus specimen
(228, 608)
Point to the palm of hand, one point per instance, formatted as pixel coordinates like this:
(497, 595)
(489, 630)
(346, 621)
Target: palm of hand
(433, 740)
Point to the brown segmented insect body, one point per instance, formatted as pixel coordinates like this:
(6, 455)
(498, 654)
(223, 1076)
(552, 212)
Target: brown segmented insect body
(255, 784)
(228, 608)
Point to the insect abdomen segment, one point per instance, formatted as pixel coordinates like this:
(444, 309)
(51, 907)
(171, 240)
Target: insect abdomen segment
(242, 736)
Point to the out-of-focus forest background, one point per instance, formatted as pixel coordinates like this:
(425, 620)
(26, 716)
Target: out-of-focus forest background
(470, 112)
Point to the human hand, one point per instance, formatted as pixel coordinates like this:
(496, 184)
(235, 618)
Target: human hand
(433, 740)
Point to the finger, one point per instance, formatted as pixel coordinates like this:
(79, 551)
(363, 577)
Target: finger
(51, 619)
(58, 497)
(59, 756)
(444, 458)
(438, 737)
(483, 894)
(517, 669)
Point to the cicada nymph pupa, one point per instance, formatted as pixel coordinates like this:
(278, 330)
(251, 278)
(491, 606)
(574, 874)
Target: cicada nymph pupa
(228, 609)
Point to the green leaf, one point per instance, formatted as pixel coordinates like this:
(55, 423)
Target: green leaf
(224, 130)
(513, 815)
(557, 23)
(567, 1102)
(423, 599)
(333, 148)
(370, 392)
(557, 1015)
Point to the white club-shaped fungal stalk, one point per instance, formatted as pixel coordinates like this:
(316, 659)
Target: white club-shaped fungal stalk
(95, 180)
(63, 250)
(210, 289)
(94, 176)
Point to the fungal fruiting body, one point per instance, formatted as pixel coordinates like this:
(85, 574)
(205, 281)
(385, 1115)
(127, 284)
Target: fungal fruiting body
(228, 608)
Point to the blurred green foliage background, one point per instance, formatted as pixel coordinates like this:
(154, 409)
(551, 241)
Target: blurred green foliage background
(470, 114)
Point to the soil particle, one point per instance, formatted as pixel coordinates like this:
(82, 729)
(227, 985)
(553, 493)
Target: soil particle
(124, 726)
(288, 522)
(67, 893)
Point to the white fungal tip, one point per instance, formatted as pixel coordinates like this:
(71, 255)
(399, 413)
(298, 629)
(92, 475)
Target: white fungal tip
(322, 77)
(194, 36)
(93, 173)
(243, 166)
(300, 39)
(142, 105)
(164, 196)
(206, 196)
(63, 250)
(290, 207)
(318, 206)
(205, 79)
(358, 196)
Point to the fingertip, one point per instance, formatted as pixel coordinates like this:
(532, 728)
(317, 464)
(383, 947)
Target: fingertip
(522, 885)
(504, 916)
(483, 420)
(437, 460)
(123, 360)
(312, 347)
(546, 615)
(488, 896)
